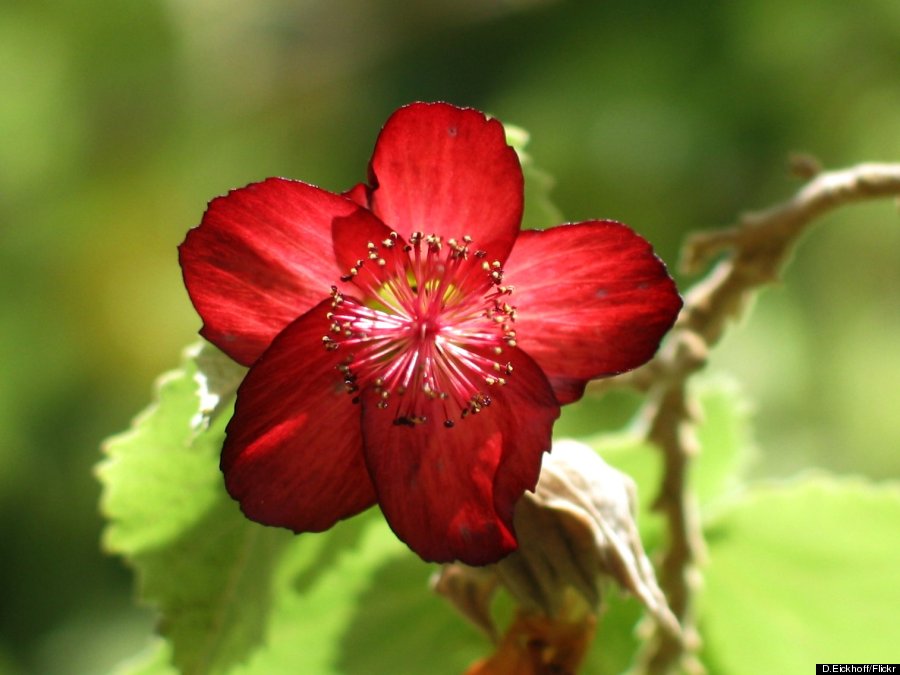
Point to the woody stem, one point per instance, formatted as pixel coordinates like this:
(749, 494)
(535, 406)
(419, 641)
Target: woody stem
(757, 248)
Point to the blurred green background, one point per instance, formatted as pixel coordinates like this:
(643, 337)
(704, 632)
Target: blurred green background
(120, 120)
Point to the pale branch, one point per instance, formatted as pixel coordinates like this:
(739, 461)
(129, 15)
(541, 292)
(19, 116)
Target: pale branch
(756, 248)
(758, 243)
(773, 230)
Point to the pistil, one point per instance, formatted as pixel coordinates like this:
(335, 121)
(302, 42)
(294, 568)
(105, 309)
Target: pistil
(430, 325)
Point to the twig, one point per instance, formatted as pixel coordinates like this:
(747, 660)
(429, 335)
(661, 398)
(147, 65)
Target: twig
(757, 248)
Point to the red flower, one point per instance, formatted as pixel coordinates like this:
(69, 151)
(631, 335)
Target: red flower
(408, 344)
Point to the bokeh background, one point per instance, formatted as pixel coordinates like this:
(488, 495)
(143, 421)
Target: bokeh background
(120, 120)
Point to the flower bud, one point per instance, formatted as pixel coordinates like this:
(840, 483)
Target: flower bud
(576, 532)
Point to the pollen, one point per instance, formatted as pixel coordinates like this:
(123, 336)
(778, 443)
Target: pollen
(423, 329)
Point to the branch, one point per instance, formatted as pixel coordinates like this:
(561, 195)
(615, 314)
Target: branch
(759, 244)
(774, 229)
(757, 247)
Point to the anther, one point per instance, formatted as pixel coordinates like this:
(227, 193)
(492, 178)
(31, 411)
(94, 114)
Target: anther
(418, 327)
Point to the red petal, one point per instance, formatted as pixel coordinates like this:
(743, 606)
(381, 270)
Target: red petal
(359, 193)
(351, 236)
(449, 493)
(593, 300)
(260, 258)
(445, 170)
(293, 452)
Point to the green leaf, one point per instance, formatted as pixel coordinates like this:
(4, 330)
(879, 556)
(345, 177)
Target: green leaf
(147, 468)
(353, 601)
(198, 560)
(616, 642)
(803, 573)
(540, 212)
(641, 461)
(238, 598)
(156, 660)
(218, 379)
(724, 435)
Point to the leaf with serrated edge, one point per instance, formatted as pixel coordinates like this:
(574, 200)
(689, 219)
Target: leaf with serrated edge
(355, 601)
(240, 599)
(198, 560)
(724, 437)
(801, 573)
(217, 377)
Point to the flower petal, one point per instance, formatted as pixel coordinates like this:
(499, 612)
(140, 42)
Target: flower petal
(293, 451)
(592, 299)
(445, 170)
(359, 193)
(260, 258)
(449, 493)
(351, 236)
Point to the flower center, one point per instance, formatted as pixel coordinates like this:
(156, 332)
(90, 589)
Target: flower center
(428, 331)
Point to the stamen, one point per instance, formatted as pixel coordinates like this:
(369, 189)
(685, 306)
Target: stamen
(425, 328)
